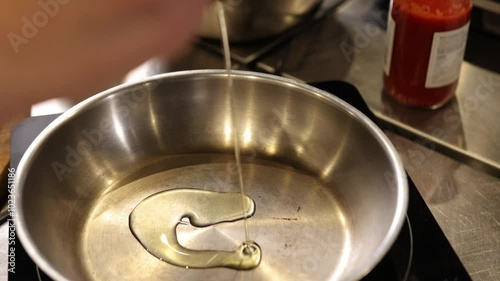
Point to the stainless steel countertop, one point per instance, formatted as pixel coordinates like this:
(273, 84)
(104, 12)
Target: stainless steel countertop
(489, 5)
(350, 45)
(464, 201)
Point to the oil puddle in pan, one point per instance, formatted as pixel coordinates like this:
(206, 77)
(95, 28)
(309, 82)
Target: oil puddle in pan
(299, 223)
(154, 223)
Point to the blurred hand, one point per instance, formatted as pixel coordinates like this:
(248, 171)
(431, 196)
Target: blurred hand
(76, 48)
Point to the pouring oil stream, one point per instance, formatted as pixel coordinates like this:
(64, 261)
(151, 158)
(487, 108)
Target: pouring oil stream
(163, 243)
(234, 117)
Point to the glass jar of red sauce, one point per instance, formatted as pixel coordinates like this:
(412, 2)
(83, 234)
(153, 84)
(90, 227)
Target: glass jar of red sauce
(426, 46)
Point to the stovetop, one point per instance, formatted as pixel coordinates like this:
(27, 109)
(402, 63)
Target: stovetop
(248, 53)
(420, 253)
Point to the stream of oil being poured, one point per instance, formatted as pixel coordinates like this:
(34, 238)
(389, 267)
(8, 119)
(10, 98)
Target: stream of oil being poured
(154, 220)
(234, 117)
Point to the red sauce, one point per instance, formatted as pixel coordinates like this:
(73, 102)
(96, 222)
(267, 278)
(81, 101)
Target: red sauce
(416, 22)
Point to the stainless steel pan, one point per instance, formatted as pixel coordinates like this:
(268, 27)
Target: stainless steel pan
(255, 19)
(329, 189)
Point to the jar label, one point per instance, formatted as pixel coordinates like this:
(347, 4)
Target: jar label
(391, 29)
(447, 55)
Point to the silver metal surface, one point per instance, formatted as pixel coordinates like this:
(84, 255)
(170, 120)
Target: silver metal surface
(256, 19)
(350, 46)
(329, 189)
(464, 201)
(488, 5)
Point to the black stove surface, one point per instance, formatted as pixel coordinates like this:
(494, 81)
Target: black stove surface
(420, 253)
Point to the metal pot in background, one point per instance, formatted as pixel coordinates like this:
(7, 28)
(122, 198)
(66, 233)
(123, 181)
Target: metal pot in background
(249, 20)
(330, 191)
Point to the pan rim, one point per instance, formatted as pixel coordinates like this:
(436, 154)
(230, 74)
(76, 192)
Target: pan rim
(400, 177)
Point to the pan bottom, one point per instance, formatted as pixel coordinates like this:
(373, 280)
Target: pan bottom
(300, 223)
